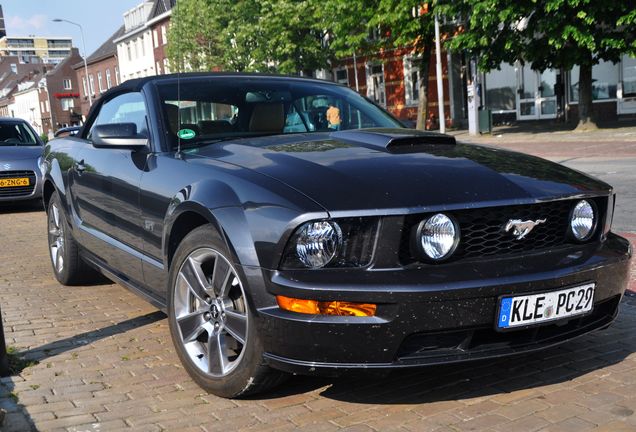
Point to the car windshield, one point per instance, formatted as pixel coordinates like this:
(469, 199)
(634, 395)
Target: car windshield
(199, 111)
(16, 134)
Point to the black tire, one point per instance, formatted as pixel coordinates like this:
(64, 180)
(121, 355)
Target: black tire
(246, 374)
(73, 270)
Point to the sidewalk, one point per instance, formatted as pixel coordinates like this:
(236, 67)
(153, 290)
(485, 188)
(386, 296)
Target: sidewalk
(616, 139)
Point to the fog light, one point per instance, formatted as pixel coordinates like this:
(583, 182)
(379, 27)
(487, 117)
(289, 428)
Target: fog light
(337, 308)
(582, 221)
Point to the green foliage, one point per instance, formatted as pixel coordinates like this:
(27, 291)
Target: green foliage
(193, 37)
(546, 33)
(44, 137)
(247, 35)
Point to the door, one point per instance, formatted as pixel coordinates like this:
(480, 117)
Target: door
(107, 192)
(536, 98)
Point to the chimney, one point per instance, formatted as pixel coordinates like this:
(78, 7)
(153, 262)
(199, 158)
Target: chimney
(3, 31)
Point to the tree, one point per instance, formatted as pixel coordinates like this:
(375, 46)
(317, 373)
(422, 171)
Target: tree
(247, 35)
(193, 42)
(547, 34)
(395, 24)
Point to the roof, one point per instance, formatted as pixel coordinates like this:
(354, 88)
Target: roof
(74, 52)
(105, 50)
(137, 84)
(160, 7)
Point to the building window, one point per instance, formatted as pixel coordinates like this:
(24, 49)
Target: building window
(99, 82)
(129, 51)
(48, 107)
(411, 80)
(166, 69)
(67, 103)
(155, 38)
(341, 76)
(14, 68)
(604, 81)
(42, 107)
(142, 42)
(67, 84)
(109, 82)
(501, 88)
(158, 68)
(116, 75)
(84, 85)
(91, 84)
(375, 83)
(164, 36)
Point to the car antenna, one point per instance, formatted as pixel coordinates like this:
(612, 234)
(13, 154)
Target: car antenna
(180, 62)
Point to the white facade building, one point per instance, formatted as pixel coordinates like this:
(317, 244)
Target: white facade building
(135, 52)
(26, 103)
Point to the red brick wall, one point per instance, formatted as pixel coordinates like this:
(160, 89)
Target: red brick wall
(106, 64)
(160, 51)
(393, 61)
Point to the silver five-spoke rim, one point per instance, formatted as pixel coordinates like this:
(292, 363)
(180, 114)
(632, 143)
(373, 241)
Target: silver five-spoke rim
(211, 312)
(56, 238)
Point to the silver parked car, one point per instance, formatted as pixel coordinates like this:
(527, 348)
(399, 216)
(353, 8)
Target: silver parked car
(20, 152)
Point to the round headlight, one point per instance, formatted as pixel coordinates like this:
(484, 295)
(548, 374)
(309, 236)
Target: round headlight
(582, 220)
(438, 236)
(318, 243)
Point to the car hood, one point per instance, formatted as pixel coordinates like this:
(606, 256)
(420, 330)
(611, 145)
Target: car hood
(16, 153)
(403, 170)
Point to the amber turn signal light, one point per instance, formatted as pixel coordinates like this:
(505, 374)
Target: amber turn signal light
(314, 307)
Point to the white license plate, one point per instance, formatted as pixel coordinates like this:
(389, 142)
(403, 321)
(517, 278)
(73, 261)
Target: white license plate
(537, 308)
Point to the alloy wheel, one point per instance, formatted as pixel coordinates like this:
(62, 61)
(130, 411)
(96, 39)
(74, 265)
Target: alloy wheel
(56, 238)
(211, 312)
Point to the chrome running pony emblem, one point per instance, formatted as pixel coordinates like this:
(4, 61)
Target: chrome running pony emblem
(521, 228)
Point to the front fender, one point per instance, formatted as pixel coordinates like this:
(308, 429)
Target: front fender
(253, 228)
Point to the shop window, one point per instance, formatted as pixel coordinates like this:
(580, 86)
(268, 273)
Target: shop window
(604, 81)
(501, 88)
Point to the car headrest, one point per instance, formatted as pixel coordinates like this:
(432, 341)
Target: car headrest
(268, 117)
(172, 111)
(214, 126)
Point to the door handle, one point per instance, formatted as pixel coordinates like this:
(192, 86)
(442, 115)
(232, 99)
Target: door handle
(80, 167)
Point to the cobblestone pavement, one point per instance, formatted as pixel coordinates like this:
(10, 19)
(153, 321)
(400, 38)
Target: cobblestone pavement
(105, 362)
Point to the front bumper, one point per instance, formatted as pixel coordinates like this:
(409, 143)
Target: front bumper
(25, 193)
(435, 314)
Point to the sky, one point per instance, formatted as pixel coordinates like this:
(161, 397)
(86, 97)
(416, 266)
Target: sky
(99, 19)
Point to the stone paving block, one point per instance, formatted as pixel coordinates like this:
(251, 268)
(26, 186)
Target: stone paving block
(106, 359)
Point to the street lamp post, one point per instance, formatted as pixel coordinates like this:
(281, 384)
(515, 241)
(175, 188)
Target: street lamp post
(88, 87)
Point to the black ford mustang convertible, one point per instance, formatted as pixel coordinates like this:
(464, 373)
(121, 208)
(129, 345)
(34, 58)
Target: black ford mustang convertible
(289, 225)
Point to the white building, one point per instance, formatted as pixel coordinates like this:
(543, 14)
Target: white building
(26, 103)
(135, 51)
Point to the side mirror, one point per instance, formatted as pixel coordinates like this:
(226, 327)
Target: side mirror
(118, 135)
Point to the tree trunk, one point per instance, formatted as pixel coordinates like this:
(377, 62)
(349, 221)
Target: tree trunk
(586, 113)
(422, 105)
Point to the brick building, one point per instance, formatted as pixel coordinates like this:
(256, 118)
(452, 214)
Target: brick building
(158, 21)
(391, 79)
(103, 71)
(63, 94)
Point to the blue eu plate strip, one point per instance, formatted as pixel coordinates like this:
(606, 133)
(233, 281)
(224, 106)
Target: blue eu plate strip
(504, 312)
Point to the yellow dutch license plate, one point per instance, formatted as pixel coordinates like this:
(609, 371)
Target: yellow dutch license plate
(14, 182)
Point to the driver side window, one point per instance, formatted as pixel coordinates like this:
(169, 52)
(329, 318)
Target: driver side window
(125, 108)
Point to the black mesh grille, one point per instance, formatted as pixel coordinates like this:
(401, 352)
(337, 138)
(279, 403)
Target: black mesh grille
(482, 232)
(17, 191)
